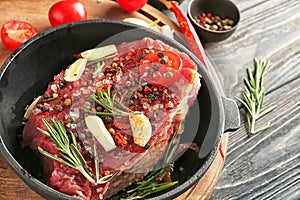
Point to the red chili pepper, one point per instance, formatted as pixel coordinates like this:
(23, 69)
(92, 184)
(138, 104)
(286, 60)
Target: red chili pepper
(193, 40)
(221, 151)
(188, 30)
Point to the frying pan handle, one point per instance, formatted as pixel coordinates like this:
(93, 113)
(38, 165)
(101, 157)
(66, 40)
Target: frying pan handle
(232, 114)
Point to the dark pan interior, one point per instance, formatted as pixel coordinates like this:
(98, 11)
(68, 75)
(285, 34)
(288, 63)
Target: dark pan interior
(26, 75)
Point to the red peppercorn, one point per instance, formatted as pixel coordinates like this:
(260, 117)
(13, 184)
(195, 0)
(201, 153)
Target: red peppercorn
(215, 23)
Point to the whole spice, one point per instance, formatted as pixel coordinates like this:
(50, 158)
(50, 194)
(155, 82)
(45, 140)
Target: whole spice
(254, 95)
(214, 22)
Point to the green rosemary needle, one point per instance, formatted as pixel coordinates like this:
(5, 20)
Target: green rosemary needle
(115, 107)
(69, 153)
(253, 96)
(150, 186)
(153, 182)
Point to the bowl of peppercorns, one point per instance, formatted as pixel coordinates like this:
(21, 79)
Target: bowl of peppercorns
(213, 20)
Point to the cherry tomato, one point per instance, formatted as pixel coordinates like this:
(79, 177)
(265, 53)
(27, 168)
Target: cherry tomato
(66, 11)
(132, 5)
(161, 68)
(14, 33)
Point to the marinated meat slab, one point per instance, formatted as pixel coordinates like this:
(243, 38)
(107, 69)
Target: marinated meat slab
(123, 104)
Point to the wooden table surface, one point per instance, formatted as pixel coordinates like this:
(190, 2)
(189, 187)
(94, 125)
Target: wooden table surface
(267, 165)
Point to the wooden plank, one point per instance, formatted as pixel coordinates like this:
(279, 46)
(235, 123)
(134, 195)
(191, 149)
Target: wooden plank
(11, 185)
(267, 30)
(266, 165)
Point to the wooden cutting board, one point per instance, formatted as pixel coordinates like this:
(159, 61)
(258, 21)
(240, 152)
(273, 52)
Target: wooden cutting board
(36, 13)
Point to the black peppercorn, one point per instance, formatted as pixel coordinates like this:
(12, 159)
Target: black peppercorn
(146, 146)
(160, 55)
(162, 61)
(155, 67)
(47, 96)
(61, 84)
(59, 108)
(151, 97)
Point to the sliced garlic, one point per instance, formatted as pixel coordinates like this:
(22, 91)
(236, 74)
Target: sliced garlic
(101, 52)
(136, 21)
(141, 129)
(98, 129)
(30, 107)
(165, 29)
(75, 71)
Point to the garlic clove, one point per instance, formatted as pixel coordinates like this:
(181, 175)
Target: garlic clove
(141, 128)
(30, 107)
(98, 129)
(97, 53)
(136, 21)
(75, 71)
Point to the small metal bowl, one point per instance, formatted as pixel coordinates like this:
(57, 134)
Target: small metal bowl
(222, 8)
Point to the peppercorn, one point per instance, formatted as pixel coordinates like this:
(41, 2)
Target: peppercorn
(120, 64)
(99, 108)
(167, 96)
(158, 179)
(87, 105)
(215, 23)
(128, 83)
(59, 108)
(153, 117)
(107, 119)
(54, 95)
(46, 107)
(131, 102)
(70, 119)
(151, 97)
(61, 84)
(160, 55)
(46, 96)
(150, 71)
(39, 106)
(155, 67)
(143, 55)
(114, 65)
(68, 102)
(146, 146)
(169, 75)
(81, 136)
(162, 61)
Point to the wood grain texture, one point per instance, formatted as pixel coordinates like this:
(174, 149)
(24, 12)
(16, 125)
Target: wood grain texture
(35, 12)
(265, 166)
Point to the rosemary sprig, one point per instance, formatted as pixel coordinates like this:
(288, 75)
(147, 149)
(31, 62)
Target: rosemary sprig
(254, 94)
(69, 153)
(154, 182)
(100, 60)
(115, 107)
